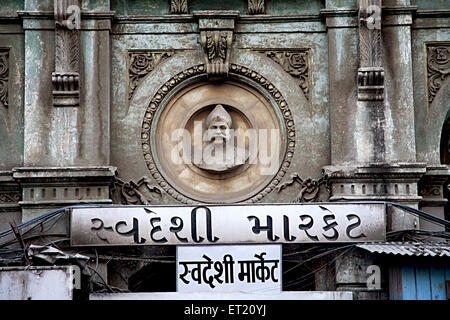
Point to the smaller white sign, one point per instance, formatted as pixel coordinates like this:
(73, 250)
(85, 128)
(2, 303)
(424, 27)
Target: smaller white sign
(229, 268)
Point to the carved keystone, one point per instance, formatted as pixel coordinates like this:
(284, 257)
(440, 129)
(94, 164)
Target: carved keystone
(216, 33)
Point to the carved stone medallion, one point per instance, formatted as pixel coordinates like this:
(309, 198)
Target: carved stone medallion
(225, 142)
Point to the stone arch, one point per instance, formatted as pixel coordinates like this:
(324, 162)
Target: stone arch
(445, 140)
(428, 136)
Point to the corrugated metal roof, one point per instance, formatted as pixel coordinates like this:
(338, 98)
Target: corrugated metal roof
(408, 248)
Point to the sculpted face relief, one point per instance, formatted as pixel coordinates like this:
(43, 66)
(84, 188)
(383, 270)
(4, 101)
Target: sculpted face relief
(216, 142)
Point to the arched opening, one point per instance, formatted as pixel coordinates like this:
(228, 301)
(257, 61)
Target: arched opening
(445, 159)
(445, 142)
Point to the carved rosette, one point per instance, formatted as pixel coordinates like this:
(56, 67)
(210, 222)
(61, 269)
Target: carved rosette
(201, 70)
(438, 67)
(140, 64)
(256, 6)
(179, 6)
(294, 62)
(66, 78)
(4, 76)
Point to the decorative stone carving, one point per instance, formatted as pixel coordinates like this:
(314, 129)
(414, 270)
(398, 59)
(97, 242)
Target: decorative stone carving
(309, 188)
(294, 62)
(431, 191)
(130, 192)
(432, 185)
(216, 33)
(140, 64)
(10, 196)
(4, 76)
(256, 6)
(217, 156)
(10, 193)
(179, 6)
(66, 78)
(155, 164)
(438, 67)
(371, 71)
(216, 45)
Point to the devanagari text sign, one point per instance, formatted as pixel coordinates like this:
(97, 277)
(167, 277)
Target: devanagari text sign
(229, 268)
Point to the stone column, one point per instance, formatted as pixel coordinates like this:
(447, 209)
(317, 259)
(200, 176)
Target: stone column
(371, 107)
(67, 105)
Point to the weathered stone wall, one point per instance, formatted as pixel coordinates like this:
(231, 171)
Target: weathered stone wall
(347, 137)
(372, 150)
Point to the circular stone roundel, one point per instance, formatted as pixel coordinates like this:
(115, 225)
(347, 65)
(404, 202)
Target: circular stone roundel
(218, 142)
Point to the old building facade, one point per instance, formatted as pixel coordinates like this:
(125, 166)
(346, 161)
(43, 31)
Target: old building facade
(353, 97)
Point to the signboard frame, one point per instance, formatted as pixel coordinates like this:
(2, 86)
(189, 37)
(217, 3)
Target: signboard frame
(382, 236)
(234, 245)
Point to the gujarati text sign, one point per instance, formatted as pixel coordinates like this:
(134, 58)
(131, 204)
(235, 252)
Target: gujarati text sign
(217, 224)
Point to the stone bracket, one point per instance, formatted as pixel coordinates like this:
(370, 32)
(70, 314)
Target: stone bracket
(370, 72)
(66, 78)
(216, 34)
(432, 184)
(370, 83)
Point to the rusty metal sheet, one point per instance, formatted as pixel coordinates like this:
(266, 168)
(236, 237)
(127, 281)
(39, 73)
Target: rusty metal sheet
(409, 248)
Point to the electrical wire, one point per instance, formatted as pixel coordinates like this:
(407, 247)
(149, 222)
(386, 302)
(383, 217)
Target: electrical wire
(310, 274)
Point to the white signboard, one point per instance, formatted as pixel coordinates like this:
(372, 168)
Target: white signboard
(217, 224)
(230, 268)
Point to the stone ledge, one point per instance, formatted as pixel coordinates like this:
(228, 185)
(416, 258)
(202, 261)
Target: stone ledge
(377, 171)
(75, 174)
(396, 182)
